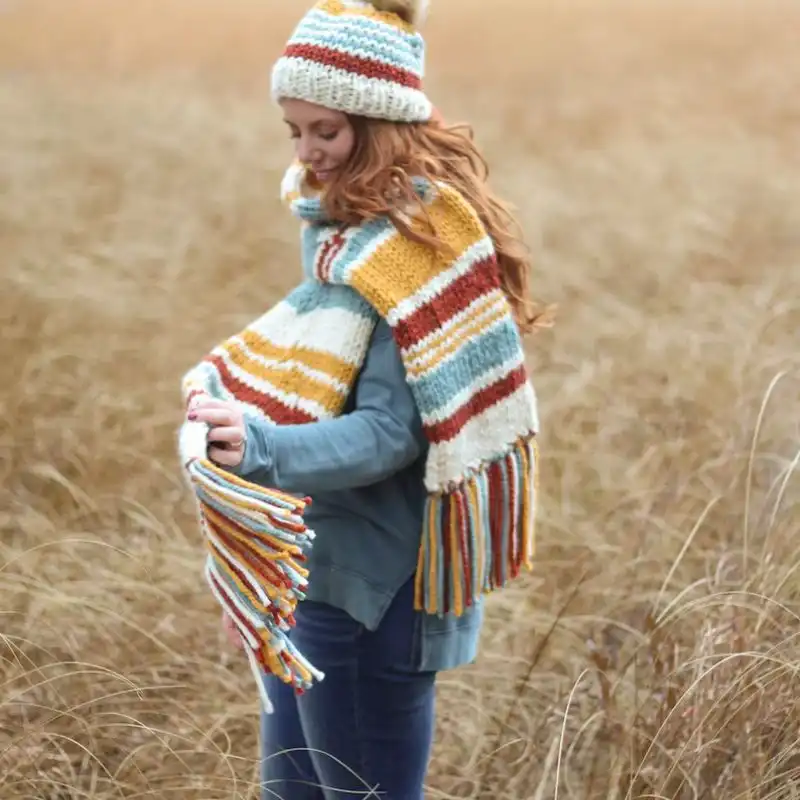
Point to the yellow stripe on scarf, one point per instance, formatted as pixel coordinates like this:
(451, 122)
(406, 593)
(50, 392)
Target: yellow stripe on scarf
(333, 366)
(289, 381)
(453, 340)
(400, 267)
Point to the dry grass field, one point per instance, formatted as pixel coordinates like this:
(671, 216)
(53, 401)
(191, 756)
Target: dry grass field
(653, 151)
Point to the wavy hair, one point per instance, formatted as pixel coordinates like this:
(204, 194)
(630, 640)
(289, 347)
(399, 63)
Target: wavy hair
(376, 181)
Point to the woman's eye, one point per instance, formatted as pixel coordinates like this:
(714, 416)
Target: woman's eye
(329, 136)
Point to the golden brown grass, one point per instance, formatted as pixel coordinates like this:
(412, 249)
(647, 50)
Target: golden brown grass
(652, 149)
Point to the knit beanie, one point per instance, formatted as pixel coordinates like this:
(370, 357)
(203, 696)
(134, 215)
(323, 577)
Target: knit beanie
(362, 57)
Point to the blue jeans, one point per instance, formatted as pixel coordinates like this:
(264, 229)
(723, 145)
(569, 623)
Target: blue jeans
(364, 731)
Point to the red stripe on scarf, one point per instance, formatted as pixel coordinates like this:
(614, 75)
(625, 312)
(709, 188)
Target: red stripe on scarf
(230, 606)
(450, 428)
(514, 542)
(262, 565)
(480, 280)
(328, 252)
(278, 412)
(496, 521)
(446, 555)
(466, 554)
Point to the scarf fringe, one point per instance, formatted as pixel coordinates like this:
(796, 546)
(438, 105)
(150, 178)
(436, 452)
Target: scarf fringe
(478, 536)
(255, 540)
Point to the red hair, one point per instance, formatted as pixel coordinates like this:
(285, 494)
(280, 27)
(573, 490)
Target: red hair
(376, 181)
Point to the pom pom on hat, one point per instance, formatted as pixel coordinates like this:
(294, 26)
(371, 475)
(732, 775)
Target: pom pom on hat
(362, 57)
(414, 12)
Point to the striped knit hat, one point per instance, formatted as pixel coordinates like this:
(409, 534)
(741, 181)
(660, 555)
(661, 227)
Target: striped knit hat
(361, 57)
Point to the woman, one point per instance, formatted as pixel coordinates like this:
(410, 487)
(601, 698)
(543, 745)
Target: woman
(389, 386)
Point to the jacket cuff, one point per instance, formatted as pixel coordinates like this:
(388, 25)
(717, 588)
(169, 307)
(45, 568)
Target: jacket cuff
(258, 449)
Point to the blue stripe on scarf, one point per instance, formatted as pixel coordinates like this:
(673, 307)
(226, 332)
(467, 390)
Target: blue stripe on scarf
(463, 370)
(311, 295)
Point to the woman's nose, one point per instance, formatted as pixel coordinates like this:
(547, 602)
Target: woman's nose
(305, 152)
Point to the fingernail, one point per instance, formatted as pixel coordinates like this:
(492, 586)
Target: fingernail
(192, 415)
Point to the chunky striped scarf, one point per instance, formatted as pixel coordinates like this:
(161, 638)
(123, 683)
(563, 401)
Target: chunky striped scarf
(297, 363)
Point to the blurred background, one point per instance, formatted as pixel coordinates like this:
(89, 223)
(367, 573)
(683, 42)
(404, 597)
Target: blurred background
(653, 153)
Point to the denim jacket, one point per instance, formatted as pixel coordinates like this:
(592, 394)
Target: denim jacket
(364, 472)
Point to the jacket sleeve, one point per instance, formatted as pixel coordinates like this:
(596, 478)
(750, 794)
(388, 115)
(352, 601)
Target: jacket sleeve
(380, 436)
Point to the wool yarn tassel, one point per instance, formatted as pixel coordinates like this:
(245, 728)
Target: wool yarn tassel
(256, 541)
(478, 536)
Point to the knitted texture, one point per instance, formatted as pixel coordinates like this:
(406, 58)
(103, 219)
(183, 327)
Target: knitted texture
(348, 55)
(465, 365)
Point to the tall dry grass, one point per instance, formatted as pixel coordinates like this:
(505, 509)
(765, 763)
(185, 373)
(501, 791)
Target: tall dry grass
(652, 149)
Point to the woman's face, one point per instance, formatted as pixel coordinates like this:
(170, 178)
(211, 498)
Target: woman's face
(324, 138)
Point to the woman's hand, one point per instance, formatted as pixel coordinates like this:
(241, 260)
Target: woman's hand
(232, 632)
(226, 434)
